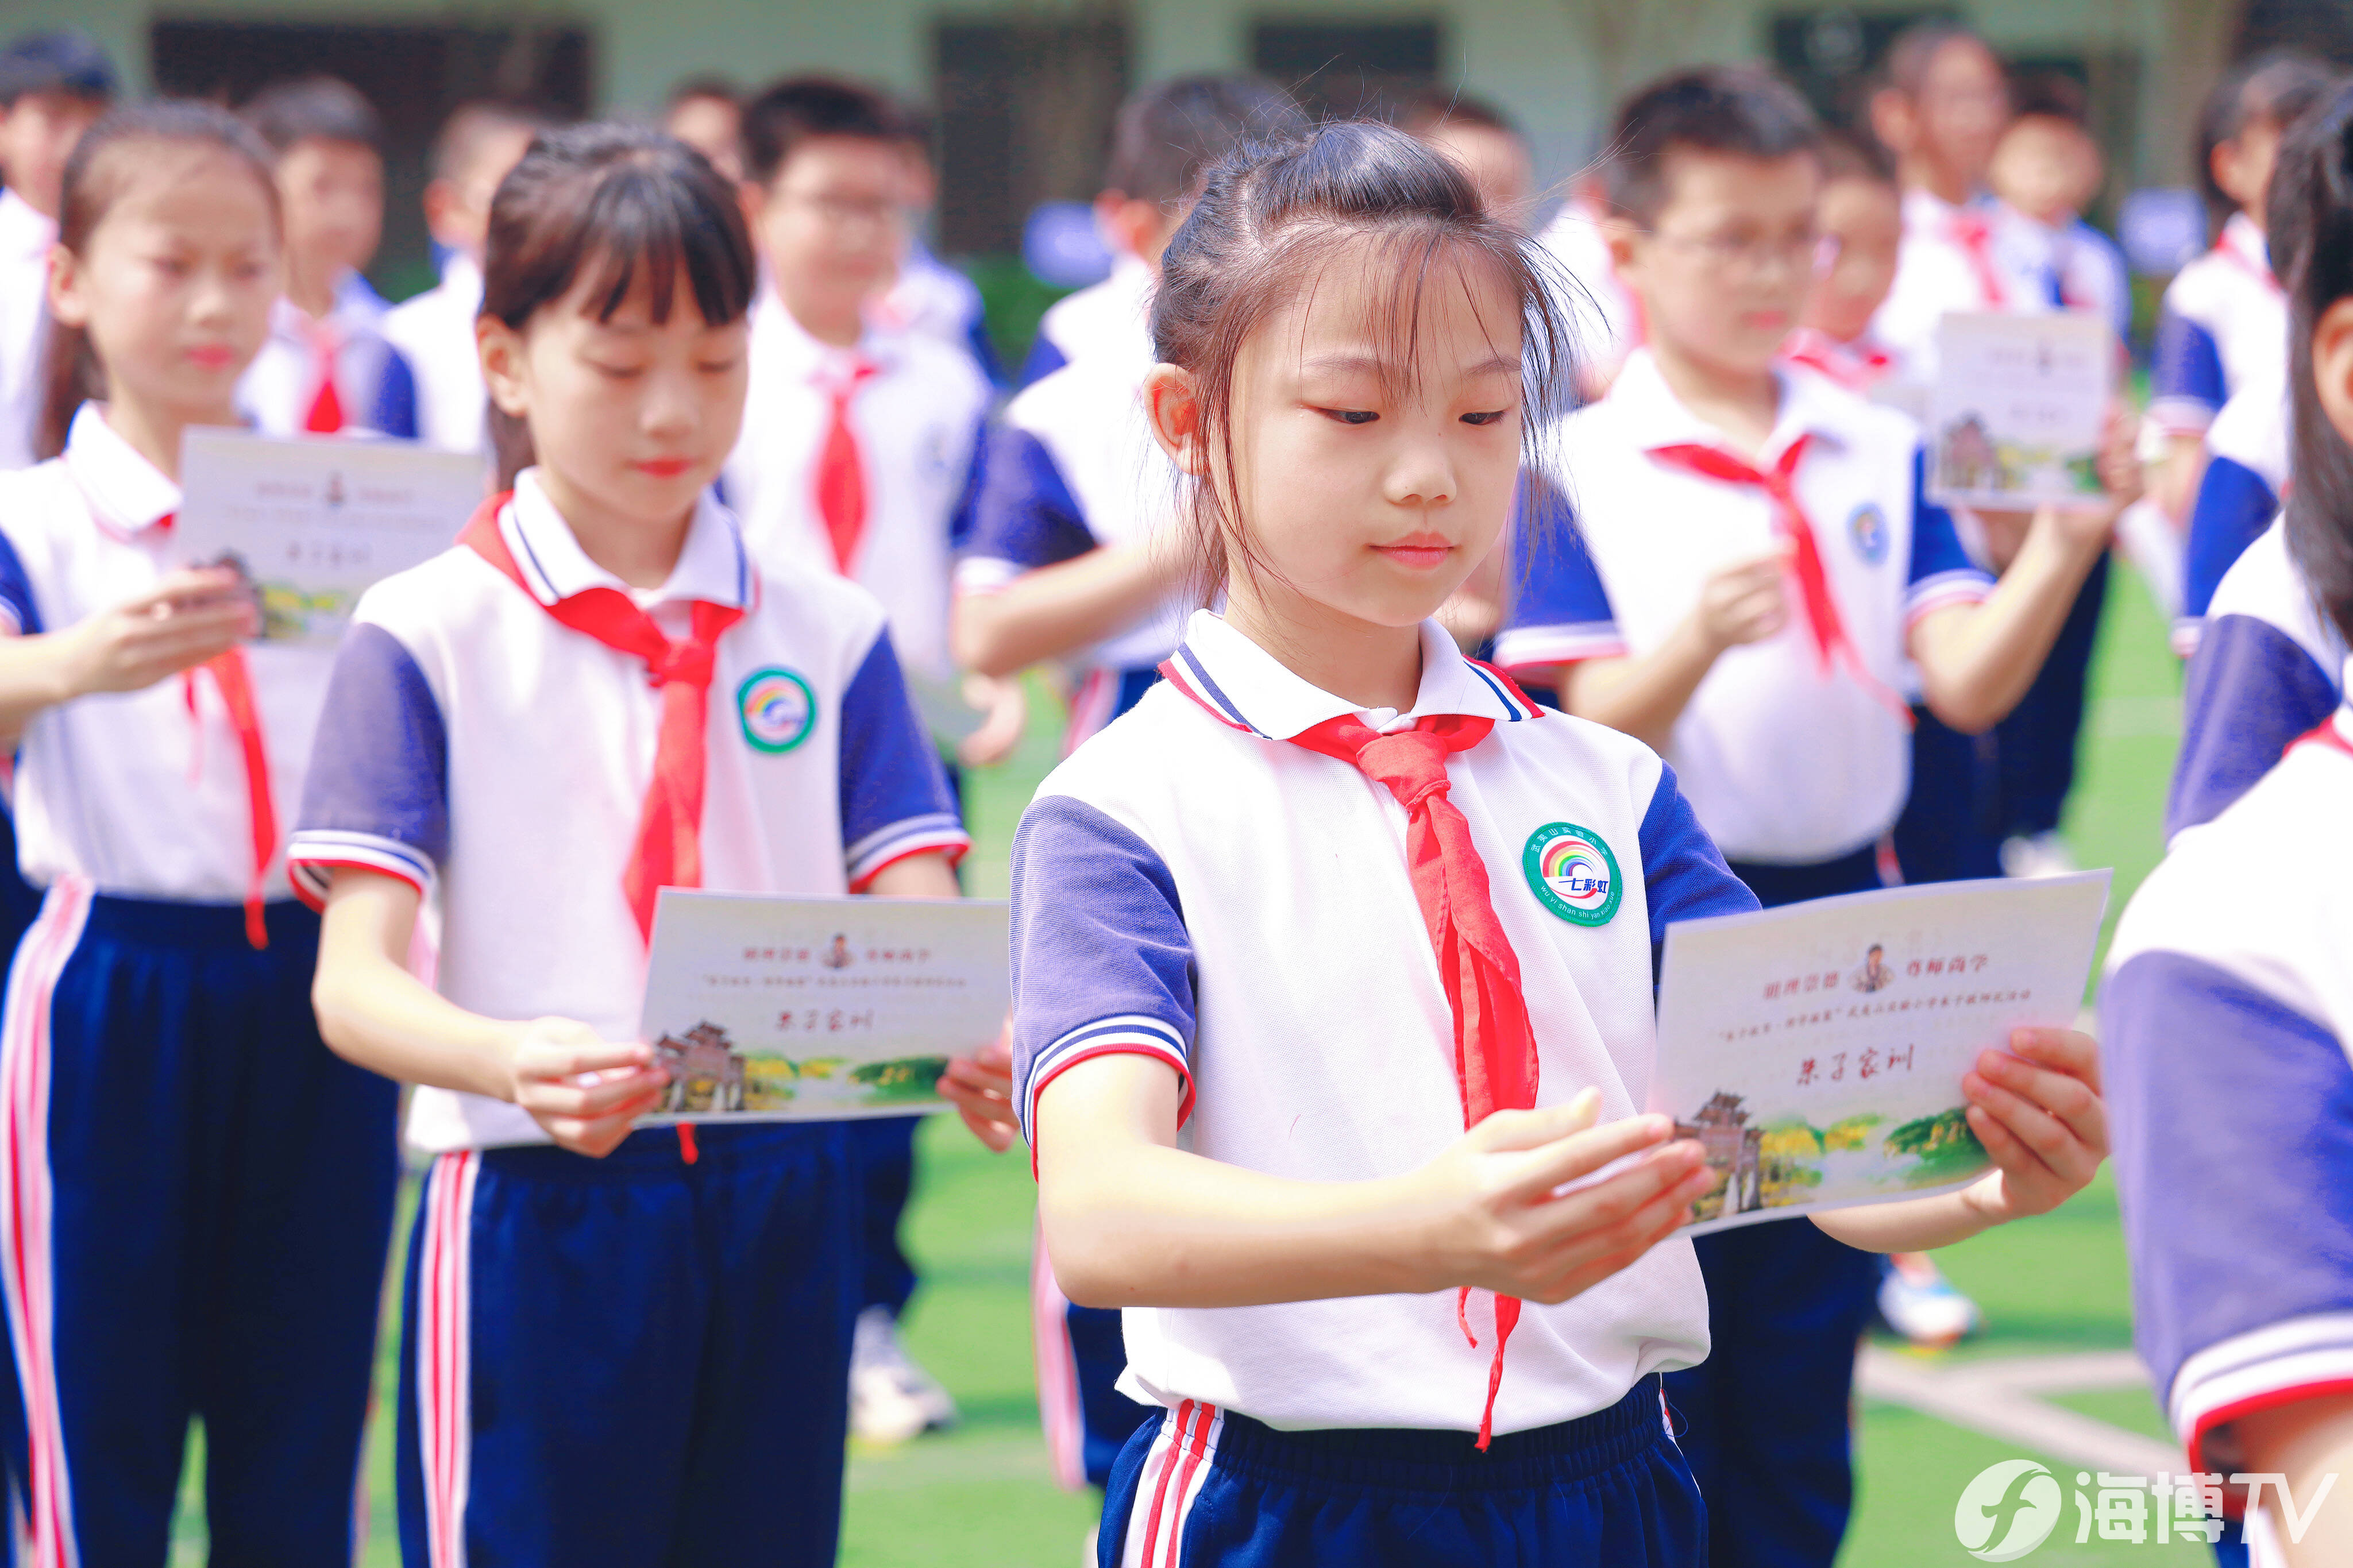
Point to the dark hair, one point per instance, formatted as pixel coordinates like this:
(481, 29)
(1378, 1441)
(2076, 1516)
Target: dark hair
(1169, 134)
(1914, 50)
(1744, 111)
(2050, 95)
(804, 108)
(1848, 156)
(97, 174)
(471, 124)
(1424, 112)
(1271, 216)
(2311, 234)
(313, 109)
(2275, 87)
(64, 61)
(717, 89)
(605, 201)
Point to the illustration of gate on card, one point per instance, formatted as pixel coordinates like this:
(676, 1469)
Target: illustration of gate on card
(1735, 1150)
(706, 1072)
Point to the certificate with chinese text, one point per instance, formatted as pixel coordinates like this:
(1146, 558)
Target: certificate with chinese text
(2018, 409)
(1816, 1051)
(765, 1008)
(315, 523)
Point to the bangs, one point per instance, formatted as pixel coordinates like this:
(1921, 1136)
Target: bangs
(639, 224)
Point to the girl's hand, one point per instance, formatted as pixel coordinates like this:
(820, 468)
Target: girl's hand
(2121, 483)
(184, 619)
(2037, 1110)
(586, 1091)
(1744, 603)
(980, 1087)
(1495, 1219)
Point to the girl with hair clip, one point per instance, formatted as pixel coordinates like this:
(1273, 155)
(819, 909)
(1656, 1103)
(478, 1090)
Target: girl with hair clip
(624, 1347)
(2217, 1169)
(196, 1195)
(1306, 1060)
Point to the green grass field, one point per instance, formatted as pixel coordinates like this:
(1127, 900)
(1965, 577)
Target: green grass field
(981, 1497)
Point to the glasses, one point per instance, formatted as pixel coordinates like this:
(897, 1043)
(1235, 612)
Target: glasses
(842, 212)
(1750, 254)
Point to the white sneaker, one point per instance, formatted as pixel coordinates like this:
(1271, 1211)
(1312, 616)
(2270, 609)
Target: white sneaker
(891, 1398)
(1922, 1305)
(2043, 855)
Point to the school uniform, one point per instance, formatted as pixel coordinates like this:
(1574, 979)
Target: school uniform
(1215, 882)
(2224, 1156)
(1605, 315)
(1115, 313)
(1072, 467)
(570, 1318)
(2269, 668)
(1794, 755)
(2223, 326)
(934, 298)
(1949, 260)
(2074, 266)
(198, 1194)
(335, 375)
(434, 333)
(2238, 496)
(25, 236)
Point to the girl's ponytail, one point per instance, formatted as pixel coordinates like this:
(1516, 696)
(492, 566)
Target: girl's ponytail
(2310, 223)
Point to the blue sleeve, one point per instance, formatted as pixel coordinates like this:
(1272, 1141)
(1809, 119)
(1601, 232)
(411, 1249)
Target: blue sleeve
(1044, 360)
(1560, 610)
(1940, 572)
(1101, 959)
(2233, 507)
(18, 606)
(1025, 514)
(2233, 1125)
(983, 350)
(396, 398)
(975, 469)
(2188, 367)
(895, 800)
(1684, 874)
(377, 793)
(2252, 689)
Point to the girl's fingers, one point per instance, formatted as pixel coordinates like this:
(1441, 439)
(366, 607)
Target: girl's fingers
(1546, 1124)
(2051, 1141)
(589, 1099)
(1542, 1169)
(2060, 1095)
(1608, 1202)
(2069, 1051)
(546, 1059)
(1593, 1256)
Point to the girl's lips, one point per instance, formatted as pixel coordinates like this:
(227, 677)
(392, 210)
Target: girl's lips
(1418, 553)
(663, 468)
(211, 356)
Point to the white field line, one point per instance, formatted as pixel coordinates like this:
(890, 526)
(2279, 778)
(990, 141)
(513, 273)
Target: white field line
(2001, 1399)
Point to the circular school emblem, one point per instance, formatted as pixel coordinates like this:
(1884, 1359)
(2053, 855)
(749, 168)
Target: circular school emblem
(1868, 529)
(1572, 873)
(778, 710)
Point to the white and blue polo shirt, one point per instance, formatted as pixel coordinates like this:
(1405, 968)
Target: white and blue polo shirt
(1072, 468)
(25, 236)
(1192, 886)
(917, 422)
(1936, 274)
(478, 748)
(435, 332)
(2270, 665)
(2226, 1013)
(1786, 764)
(374, 381)
(2247, 464)
(2223, 326)
(1114, 315)
(142, 793)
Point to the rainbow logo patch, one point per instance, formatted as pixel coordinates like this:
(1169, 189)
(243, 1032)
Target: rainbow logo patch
(1572, 873)
(778, 708)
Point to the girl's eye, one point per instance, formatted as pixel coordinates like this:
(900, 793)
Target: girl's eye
(621, 372)
(1351, 415)
(1488, 418)
(717, 367)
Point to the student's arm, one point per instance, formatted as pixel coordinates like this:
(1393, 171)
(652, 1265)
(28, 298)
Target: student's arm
(1644, 696)
(184, 619)
(586, 1091)
(1058, 610)
(2037, 1109)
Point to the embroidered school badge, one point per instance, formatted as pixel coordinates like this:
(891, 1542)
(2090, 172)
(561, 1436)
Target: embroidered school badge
(1868, 529)
(778, 710)
(1572, 873)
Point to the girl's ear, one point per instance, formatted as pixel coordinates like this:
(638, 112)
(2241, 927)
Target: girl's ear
(1172, 401)
(69, 298)
(501, 350)
(1623, 238)
(2332, 365)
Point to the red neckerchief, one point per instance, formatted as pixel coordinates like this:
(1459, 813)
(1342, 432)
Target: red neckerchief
(1971, 231)
(2260, 270)
(1832, 646)
(1857, 366)
(668, 846)
(841, 499)
(2326, 733)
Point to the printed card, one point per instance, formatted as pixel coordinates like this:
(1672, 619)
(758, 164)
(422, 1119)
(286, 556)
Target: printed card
(1816, 1051)
(313, 523)
(2018, 409)
(765, 1008)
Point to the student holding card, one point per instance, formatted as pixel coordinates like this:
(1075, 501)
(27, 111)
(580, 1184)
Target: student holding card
(1300, 904)
(1759, 636)
(599, 692)
(202, 1192)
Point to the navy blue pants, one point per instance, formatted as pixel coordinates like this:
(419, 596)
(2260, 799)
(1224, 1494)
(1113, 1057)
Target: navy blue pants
(2037, 741)
(1767, 1413)
(1204, 1487)
(632, 1362)
(196, 1212)
(1951, 828)
(886, 1158)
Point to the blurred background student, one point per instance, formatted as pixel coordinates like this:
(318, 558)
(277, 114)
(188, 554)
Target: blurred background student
(53, 87)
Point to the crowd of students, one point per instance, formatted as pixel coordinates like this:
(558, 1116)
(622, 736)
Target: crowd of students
(1355, 448)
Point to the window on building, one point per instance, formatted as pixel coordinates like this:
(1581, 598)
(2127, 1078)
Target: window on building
(1025, 114)
(1347, 68)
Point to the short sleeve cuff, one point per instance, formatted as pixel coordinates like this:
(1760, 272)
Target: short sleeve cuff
(2179, 415)
(933, 833)
(985, 574)
(1942, 590)
(2281, 1364)
(313, 854)
(1134, 1035)
(1528, 648)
